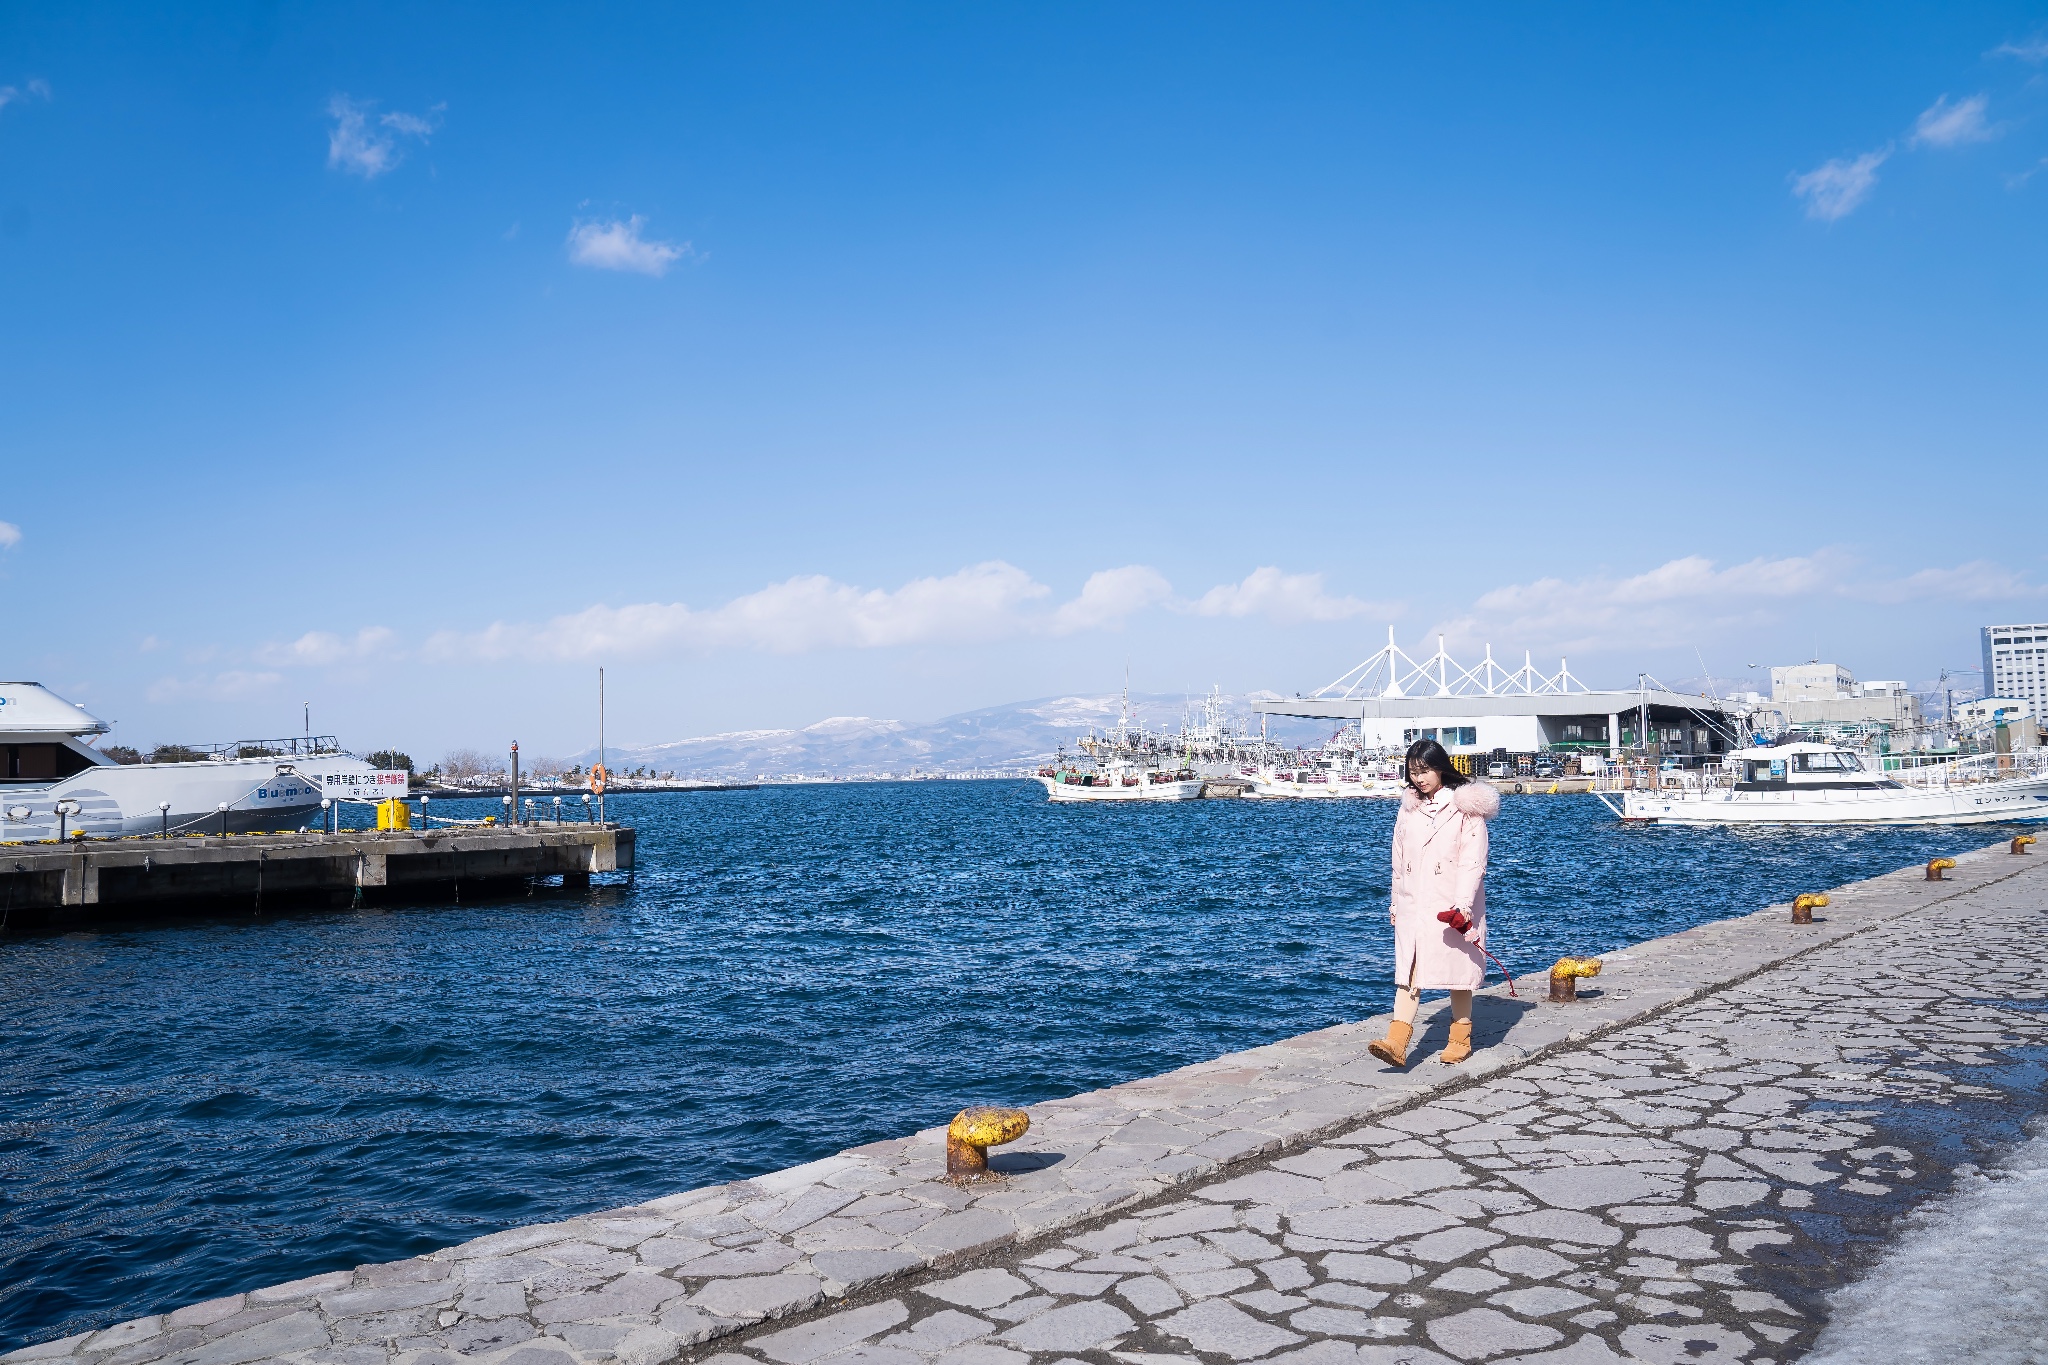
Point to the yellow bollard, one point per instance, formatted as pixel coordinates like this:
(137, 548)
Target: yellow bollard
(1804, 906)
(2019, 845)
(393, 813)
(1938, 866)
(1565, 976)
(974, 1131)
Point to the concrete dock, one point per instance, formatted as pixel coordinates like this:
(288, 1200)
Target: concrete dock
(48, 881)
(1681, 1166)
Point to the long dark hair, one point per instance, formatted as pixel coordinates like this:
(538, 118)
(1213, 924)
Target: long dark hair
(1428, 753)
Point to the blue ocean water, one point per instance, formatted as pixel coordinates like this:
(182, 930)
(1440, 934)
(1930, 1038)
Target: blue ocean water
(194, 1107)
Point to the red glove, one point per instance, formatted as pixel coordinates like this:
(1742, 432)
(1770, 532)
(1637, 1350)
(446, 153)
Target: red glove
(1458, 920)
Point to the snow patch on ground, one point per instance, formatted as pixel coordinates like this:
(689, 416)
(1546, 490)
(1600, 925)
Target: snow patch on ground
(1964, 1281)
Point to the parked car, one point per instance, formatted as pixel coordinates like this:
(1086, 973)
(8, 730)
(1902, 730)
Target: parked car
(1496, 770)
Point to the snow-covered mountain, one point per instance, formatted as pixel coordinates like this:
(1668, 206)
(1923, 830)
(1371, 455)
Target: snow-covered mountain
(1019, 735)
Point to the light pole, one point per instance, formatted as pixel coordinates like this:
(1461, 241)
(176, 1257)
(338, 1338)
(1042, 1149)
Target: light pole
(163, 810)
(223, 819)
(326, 808)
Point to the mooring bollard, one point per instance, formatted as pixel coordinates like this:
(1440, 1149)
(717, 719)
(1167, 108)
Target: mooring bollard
(973, 1132)
(1937, 867)
(1564, 977)
(1803, 907)
(2019, 845)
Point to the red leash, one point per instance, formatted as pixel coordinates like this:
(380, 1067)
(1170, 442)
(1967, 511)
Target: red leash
(1458, 920)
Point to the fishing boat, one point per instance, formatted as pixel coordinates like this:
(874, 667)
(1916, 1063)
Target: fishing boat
(1308, 782)
(55, 783)
(1118, 779)
(1824, 784)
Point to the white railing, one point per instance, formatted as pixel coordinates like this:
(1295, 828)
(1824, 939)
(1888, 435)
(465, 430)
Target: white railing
(1973, 768)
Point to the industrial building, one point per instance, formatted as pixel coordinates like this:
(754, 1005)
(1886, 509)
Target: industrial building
(1825, 699)
(1397, 700)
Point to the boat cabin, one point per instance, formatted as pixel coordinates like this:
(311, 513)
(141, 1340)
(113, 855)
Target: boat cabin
(43, 737)
(1805, 767)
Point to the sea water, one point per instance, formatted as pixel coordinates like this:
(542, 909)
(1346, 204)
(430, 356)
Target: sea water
(198, 1106)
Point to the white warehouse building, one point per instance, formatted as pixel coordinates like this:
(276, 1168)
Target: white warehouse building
(1396, 700)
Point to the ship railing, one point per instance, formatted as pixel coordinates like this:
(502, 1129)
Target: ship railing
(295, 746)
(1967, 769)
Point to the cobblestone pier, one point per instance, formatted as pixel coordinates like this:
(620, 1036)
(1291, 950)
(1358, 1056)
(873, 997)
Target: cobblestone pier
(1679, 1167)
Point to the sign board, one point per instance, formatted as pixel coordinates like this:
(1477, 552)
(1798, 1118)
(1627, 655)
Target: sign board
(369, 784)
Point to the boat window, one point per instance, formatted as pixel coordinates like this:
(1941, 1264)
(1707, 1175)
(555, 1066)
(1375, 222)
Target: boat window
(1765, 770)
(38, 762)
(1829, 761)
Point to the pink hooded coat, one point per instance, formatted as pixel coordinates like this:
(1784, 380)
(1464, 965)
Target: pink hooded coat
(1440, 863)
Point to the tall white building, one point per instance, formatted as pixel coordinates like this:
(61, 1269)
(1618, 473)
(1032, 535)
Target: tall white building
(2016, 663)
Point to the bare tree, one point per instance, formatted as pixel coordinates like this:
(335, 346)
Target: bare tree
(470, 767)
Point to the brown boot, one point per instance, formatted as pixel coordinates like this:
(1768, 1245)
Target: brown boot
(1460, 1046)
(1393, 1049)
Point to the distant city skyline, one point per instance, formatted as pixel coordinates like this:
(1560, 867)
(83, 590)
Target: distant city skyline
(813, 362)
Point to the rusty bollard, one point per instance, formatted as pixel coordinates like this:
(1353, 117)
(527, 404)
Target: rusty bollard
(973, 1132)
(1564, 977)
(1803, 907)
(1937, 866)
(2019, 845)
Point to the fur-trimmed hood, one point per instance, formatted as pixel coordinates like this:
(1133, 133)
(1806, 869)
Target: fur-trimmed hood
(1473, 798)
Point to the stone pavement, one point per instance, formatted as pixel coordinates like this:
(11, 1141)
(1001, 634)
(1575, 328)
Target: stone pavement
(1677, 1168)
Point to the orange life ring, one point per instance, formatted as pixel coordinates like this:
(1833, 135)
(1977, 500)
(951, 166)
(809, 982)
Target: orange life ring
(598, 777)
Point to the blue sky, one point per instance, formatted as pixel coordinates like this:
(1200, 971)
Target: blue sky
(806, 360)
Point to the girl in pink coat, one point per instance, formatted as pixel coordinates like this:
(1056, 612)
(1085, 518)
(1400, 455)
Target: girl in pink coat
(1439, 864)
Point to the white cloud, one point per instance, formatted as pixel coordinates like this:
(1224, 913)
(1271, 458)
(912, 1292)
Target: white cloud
(230, 686)
(1836, 189)
(319, 648)
(1112, 595)
(615, 245)
(10, 535)
(1977, 581)
(14, 94)
(1679, 601)
(1942, 124)
(1282, 597)
(2033, 50)
(984, 601)
(358, 147)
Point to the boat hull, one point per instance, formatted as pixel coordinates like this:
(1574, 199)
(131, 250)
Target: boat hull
(1974, 803)
(117, 801)
(1144, 791)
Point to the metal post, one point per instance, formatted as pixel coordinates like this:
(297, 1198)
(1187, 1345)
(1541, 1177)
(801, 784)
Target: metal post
(600, 739)
(326, 814)
(425, 823)
(223, 819)
(163, 809)
(513, 799)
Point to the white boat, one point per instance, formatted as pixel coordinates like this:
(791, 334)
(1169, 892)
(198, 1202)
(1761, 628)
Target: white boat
(54, 782)
(1119, 779)
(1823, 784)
(1309, 783)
